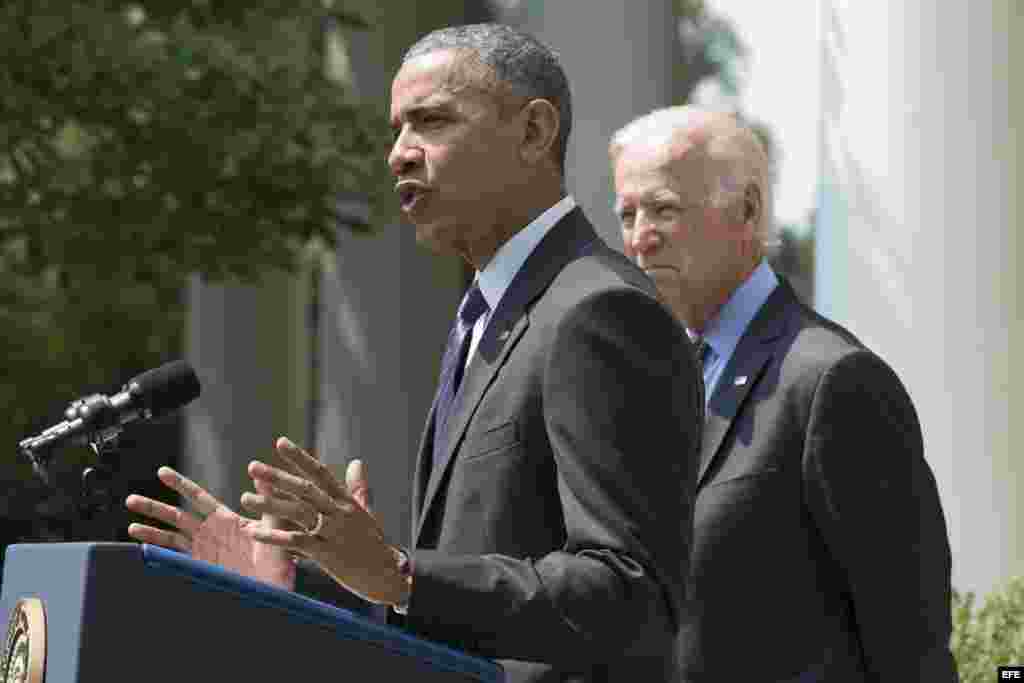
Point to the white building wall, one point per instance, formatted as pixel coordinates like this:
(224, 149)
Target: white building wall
(917, 246)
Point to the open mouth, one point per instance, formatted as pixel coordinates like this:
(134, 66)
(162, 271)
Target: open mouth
(409, 195)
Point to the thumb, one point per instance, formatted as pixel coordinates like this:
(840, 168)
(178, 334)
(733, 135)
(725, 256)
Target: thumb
(357, 483)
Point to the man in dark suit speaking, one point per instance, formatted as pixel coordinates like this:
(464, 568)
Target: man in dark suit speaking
(820, 550)
(553, 491)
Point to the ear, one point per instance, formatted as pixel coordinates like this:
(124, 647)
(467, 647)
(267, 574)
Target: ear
(752, 206)
(540, 130)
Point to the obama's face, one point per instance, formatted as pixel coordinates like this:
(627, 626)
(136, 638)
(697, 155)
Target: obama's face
(455, 157)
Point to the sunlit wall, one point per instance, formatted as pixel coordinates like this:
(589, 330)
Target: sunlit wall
(917, 241)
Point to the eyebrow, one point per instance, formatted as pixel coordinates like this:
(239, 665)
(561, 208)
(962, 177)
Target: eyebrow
(661, 195)
(420, 109)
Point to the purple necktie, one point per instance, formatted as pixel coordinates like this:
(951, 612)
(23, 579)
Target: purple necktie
(700, 350)
(454, 362)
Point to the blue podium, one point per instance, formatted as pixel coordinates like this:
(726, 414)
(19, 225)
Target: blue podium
(128, 612)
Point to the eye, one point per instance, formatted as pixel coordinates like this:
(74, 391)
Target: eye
(431, 119)
(667, 211)
(626, 218)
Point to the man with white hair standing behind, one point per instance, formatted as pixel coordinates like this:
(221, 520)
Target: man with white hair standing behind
(820, 550)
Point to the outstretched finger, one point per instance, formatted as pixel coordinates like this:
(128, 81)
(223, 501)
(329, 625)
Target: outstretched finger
(300, 488)
(286, 464)
(300, 513)
(311, 468)
(162, 512)
(204, 503)
(263, 487)
(297, 541)
(167, 539)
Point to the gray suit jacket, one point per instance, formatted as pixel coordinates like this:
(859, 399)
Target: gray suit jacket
(820, 548)
(553, 531)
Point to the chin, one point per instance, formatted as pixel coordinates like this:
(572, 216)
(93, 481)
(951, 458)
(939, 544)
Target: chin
(667, 280)
(674, 299)
(435, 238)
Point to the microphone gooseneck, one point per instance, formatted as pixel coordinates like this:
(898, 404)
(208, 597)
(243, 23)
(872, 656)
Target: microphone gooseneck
(98, 418)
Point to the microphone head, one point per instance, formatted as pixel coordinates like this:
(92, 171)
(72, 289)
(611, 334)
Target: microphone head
(166, 388)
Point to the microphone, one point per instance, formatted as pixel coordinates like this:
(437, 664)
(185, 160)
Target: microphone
(101, 418)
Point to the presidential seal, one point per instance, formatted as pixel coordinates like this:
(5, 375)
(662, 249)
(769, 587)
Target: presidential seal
(24, 655)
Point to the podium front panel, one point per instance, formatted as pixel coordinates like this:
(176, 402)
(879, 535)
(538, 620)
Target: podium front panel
(122, 611)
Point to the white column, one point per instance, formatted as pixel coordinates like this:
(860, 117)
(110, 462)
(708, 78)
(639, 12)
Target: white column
(917, 241)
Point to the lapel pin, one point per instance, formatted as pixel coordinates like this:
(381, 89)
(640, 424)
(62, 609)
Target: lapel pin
(504, 335)
(740, 381)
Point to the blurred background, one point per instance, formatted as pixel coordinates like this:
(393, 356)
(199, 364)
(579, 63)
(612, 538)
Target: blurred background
(205, 179)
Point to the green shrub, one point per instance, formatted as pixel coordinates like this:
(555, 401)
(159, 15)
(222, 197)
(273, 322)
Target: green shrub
(990, 636)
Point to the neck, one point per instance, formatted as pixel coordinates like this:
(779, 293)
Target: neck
(698, 313)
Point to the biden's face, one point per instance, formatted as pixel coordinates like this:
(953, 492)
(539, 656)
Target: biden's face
(669, 228)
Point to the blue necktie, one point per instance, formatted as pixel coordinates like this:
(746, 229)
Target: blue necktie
(454, 362)
(701, 350)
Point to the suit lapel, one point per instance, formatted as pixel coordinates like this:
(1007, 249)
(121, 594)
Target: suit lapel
(478, 377)
(564, 242)
(750, 359)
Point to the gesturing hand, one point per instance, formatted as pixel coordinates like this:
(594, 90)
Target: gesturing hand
(219, 535)
(345, 538)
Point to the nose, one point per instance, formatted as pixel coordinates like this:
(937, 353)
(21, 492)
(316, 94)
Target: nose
(644, 238)
(404, 157)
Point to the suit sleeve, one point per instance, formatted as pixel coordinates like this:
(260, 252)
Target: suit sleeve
(875, 501)
(621, 408)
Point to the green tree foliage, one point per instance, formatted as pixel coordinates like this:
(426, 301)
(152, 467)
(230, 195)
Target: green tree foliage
(710, 49)
(990, 636)
(141, 142)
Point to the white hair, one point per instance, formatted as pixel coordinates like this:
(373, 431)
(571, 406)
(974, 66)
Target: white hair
(724, 139)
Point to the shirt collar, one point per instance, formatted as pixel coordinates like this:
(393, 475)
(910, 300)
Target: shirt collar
(724, 331)
(497, 275)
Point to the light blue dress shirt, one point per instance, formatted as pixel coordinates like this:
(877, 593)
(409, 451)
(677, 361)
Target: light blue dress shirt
(496, 277)
(724, 331)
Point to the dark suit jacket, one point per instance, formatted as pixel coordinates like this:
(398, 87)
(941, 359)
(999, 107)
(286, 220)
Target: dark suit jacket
(553, 531)
(820, 548)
